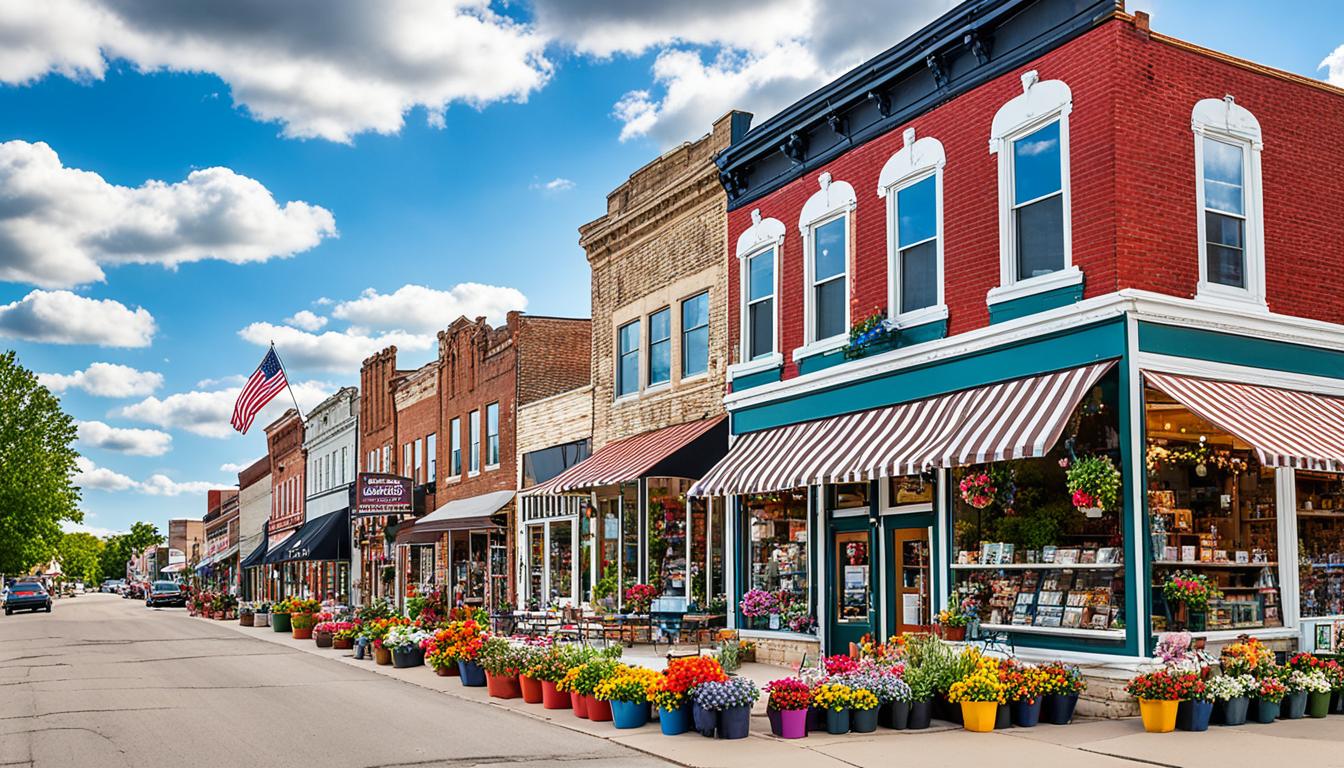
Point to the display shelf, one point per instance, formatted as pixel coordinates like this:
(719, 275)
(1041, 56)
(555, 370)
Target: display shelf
(1035, 566)
(1196, 564)
(1320, 513)
(1102, 634)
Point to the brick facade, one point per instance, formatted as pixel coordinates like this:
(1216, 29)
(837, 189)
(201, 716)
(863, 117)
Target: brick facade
(284, 444)
(416, 398)
(556, 420)
(661, 241)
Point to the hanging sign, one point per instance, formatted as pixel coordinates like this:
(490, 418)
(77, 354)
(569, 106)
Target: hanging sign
(380, 494)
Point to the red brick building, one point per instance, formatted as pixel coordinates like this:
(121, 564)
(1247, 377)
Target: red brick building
(284, 448)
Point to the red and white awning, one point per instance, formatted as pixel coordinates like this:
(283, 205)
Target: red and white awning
(1015, 419)
(627, 459)
(1287, 428)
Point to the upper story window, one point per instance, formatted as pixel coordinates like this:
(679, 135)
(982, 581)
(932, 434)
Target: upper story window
(695, 334)
(455, 447)
(419, 460)
(492, 435)
(1227, 185)
(387, 458)
(660, 347)
(627, 359)
(1030, 135)
(758, 250)
(474, 444)
(431, 456)
(407, 463)
(912, 183)
(824, 224)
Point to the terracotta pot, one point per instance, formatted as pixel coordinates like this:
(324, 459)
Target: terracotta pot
(245, 620)
(323, 639)
(579, 703)
(342, 643)
(553, 699)
(953, 634)
(302, 634)
(502, 686)
(531, 689)
(598, 711)
(382, 657)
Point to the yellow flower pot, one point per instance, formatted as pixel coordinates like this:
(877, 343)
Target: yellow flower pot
(978, 716)
(1158, 716)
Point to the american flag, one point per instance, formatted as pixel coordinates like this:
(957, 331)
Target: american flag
(265, 384)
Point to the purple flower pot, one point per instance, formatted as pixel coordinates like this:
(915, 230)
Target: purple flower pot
(788, 723)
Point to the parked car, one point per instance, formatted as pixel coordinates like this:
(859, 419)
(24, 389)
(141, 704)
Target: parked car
(112, 586)
(165, 593)
(134, 591)
(27, 596)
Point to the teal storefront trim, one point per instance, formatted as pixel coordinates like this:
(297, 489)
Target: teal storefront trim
(918, 334)
(750, 380)
(821, 361)
(1012, 309)
(1233, 349)
(840, 634)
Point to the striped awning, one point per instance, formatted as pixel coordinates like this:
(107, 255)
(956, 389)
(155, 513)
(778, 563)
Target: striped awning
(1287, 428)
(627, 459)
(1015, 419)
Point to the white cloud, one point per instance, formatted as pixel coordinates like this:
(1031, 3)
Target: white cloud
(162, 485)
(606, 27)
(418, 308)
(105, 380)
(207, 413)
(232, 380)
(305, 320)
(90, 475)
(102, 533)
(136, 442)
(60, 226)
(328, 70)
(230, 467)
(334, 351)
(61, 317)
(1334, 66)
(554, 186)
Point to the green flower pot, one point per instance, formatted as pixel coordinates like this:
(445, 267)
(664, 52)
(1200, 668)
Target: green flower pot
(1318, 704)
(280, 622)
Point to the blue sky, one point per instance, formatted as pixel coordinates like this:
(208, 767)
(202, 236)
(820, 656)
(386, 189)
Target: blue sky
(510, 136)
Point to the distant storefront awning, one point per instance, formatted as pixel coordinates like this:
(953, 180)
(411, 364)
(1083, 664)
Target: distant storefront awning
(1016, 419)
(256, 557)
(684, 450)
(174, 568)
(1287, 428)
(471, 513)
(323, 538)
(276, 551)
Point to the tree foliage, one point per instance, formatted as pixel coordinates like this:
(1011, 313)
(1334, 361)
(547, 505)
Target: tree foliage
(79, 554)
(37, 465)
(122, 547)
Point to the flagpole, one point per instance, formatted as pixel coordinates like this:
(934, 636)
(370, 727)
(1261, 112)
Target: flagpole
(287, 384)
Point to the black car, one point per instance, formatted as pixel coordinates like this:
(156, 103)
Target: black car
(163, 593)
(27, 597)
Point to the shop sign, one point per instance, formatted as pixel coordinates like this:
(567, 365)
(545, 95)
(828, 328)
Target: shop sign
(380, 494)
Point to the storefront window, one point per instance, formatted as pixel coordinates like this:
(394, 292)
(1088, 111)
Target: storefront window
(536, 562)
(561, 559)
(717, 602)
(1320, 543)
(699, 510)
(848, 496)
(1212, 512)
(1031, 552)
(667, 542)
(777, 552)
(629, 539)
(605, 591)
(851, 573)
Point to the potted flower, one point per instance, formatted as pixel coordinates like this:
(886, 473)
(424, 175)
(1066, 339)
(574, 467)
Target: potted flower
(466, 638)
(836, 699)
(1094, 484)
(280, 613)
(953, 620)
(1196, 706)
(1294, 704)
(639, 598)
(1316, 680)
(1159, 694)
(757, 605)
(787, 707)
(548, 669)
(920, 681)
(730, 701)
(980, 693)
(528, 654)
(1188, 594)
(674, 696)
(565, 685)
(500, 659)
(324, 633)
(1024, 689)
(404, 642)
(585, 682)
(1334, 671)
(1060, 687)
(978, 490)
(1268, 695)
(1247, 656)
(343, 634)
(629, 690)
(262, 616)
(246, 615)
(864, 713)
(374, 632)
(1231, 697)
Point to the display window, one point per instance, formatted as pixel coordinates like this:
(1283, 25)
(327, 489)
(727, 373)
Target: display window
(1214, 523)
(1039, 542)
(852, 574)
(778, 559)
(669, 536)
(1320, 543)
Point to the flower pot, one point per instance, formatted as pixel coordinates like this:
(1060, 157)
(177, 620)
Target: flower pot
(301, 633)
(706, 722)
(246, 619)
(979, 716)
(1318, 704)
(894, 715)
(735, 723)
(1337, 703)
(579, 703)
(863, 720)
(551, 698)
(1264, 710)
(323, 639)
(382, 656)
(946, 710)
(1003, 717)
(261, 620)
(1194, 715)
(1057, 708)
(627, 714)
(1293, 706)
(403, 657)
(921, 712)
(837, 721)
(280, 622)
(1159, 716)
(530, 689)
(502, 686)
(598, 711)
(446, 671)
(953, 634)
(342, 643)
(788, 723)
(675, 722)
(1232, 711)
(1026, 713)
(471, 673)
(816, 719)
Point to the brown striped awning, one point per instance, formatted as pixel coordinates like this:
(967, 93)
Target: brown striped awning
(1014, 419)
(1287, 428)
(628, 459)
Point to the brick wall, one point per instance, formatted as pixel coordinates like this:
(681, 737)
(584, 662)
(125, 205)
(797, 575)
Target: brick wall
(284, 442)
(377, 425)
(554, 355)
(477, 366)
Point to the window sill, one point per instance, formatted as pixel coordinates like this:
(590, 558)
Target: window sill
(820, 347)
(766, 363)
(1223, 297)
(694, 378)
(921, 316)
(1064, 278)
(654, 389)
(627, 398)
(491, 467)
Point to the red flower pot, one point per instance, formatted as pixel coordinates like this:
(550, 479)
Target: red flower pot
(580, 704)
(598, 711)
(551, 698)
(954, 634)
(502, 686)
(342, 643)
(302, 634)
(531, 689)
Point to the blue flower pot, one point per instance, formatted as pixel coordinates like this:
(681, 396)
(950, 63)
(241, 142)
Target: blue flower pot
(863, 720)
(837, 721)
(706, 722)
(1193, 715)
(1026, 712)
(1264, 710)
(1233, 711)
(735, 723)
(625, 714)
(674, 722)
(1057, 709)
(471, 674)
(1293, 706)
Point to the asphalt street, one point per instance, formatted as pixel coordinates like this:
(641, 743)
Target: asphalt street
(105, 682)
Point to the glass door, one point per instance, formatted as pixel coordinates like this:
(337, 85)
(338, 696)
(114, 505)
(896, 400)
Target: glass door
(911, 571)
(850, 583)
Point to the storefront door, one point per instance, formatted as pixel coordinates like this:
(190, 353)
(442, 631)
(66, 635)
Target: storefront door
(909, 573)
(850, 607)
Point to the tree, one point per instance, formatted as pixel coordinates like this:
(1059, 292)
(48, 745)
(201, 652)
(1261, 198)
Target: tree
(79, 555)
(122, 547)
(37, 467)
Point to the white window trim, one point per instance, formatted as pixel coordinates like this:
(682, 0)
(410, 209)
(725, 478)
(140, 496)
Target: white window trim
(1042, 102)
(478, 444)
(646, 375)
(485, 437)
(761, 236)
(640, 352)
(681, 332)
(835, 200)
(915, 162)
(1225, 120)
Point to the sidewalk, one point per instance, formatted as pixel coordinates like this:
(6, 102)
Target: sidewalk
(1317, 743)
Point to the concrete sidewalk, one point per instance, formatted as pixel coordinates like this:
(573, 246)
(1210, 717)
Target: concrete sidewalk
(1315, 743)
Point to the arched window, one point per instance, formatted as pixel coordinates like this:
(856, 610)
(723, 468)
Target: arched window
(911, 181)
(1229, 203)
(758, 251)
(1030, 135)
(827, 248)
